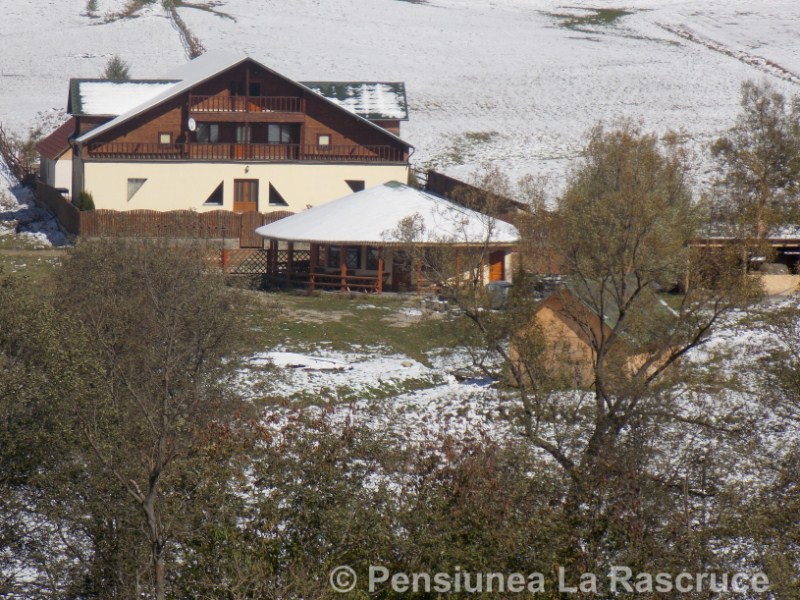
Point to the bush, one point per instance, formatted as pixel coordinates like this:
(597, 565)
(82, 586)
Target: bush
(84, 201)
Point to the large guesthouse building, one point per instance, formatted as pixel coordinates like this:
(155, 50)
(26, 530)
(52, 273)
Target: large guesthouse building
(226, 132)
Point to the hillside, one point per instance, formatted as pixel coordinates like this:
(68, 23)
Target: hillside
(513, 82)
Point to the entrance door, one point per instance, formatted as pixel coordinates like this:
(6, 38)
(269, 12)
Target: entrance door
(242, 146)
(497, 271)
(245, 195)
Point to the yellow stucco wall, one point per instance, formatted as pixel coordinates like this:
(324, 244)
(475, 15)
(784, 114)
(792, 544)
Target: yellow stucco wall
(178, 186)
(57, 173)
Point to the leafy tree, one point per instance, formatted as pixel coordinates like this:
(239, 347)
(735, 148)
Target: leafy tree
(162, 328)
(759, 158)
(84, 201)
(116, 69)
(621, 233)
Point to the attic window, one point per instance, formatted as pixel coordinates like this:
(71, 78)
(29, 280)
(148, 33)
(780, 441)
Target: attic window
(164, 138)
(134, 184)
(357, 185)
(323, 139)
(275, 198)
(216, 196)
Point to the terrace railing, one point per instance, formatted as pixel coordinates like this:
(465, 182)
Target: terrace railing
(286, 104)
(248, 152)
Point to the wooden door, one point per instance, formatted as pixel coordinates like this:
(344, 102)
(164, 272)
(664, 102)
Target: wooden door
(245, 195)
(248, 238)
(497, 270)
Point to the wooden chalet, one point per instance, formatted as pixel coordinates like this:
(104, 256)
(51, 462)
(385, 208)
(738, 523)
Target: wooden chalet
(227, 132)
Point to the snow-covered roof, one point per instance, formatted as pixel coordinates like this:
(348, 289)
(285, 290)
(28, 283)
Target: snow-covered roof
(375, 216)
(372, 100)
(112, 98)
(191, 74)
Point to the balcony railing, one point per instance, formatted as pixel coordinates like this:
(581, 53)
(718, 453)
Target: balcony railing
(238, 104)
(248, 152)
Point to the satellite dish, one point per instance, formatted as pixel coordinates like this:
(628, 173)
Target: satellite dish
(191, 124)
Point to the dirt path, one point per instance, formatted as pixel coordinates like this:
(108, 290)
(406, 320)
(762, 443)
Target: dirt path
(762, 64)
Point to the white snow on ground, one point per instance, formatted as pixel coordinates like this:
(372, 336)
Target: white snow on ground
(507, 82)
(511, 72)
(45, 43)
(20, 215)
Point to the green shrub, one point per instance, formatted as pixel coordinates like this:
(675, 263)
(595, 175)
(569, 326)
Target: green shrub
(84, 201)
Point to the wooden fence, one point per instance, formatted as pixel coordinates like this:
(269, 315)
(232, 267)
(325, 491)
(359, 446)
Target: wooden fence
(215, 224)
(68, 216)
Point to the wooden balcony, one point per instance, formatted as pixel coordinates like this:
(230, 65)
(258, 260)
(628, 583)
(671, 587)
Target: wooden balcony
(245, 152)
(246, 104)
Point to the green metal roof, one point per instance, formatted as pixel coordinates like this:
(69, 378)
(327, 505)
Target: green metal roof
(372, 100)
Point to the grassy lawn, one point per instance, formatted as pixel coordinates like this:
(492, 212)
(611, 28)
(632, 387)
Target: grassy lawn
(34, 264)
(342, 322)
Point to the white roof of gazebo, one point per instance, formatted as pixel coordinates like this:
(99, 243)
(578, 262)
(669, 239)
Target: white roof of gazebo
(376, 217)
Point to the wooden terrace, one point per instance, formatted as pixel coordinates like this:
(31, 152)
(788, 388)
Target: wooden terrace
(251, 152)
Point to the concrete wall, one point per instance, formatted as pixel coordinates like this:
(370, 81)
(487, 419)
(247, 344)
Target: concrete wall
(780, 285)
(178, 185)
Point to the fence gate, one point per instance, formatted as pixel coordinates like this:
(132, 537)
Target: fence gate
(248, 238)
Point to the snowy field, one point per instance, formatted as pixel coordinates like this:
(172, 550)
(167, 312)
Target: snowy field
(515, 83)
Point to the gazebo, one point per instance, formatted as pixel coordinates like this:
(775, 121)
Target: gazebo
(363, 241)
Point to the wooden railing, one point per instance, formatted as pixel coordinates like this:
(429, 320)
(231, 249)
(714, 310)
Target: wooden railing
(286, 104)
(249, 152)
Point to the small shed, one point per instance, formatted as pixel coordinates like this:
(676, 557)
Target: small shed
(362, 241)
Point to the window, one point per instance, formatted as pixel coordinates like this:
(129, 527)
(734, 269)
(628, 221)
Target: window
(283, 133)
(207, 133)
(164, 138)
(334, 256)
(242, 134)
(255, 88)
(216, 196)
(134, 184)
(275, 198)
(373, 254)
(237, 88)
(352, 259)
(357, 185)
(323, 139)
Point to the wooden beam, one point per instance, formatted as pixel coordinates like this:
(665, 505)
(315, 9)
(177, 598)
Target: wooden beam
(290, 261)
(313, 266)
(380, 271)
(343, 266)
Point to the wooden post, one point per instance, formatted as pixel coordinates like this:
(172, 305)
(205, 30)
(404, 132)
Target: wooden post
(419, 275)
(290, 261)
(343, 266)
(458, 269)
(313, 266)
(225, 259)
(380, 271)
(273, 257)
